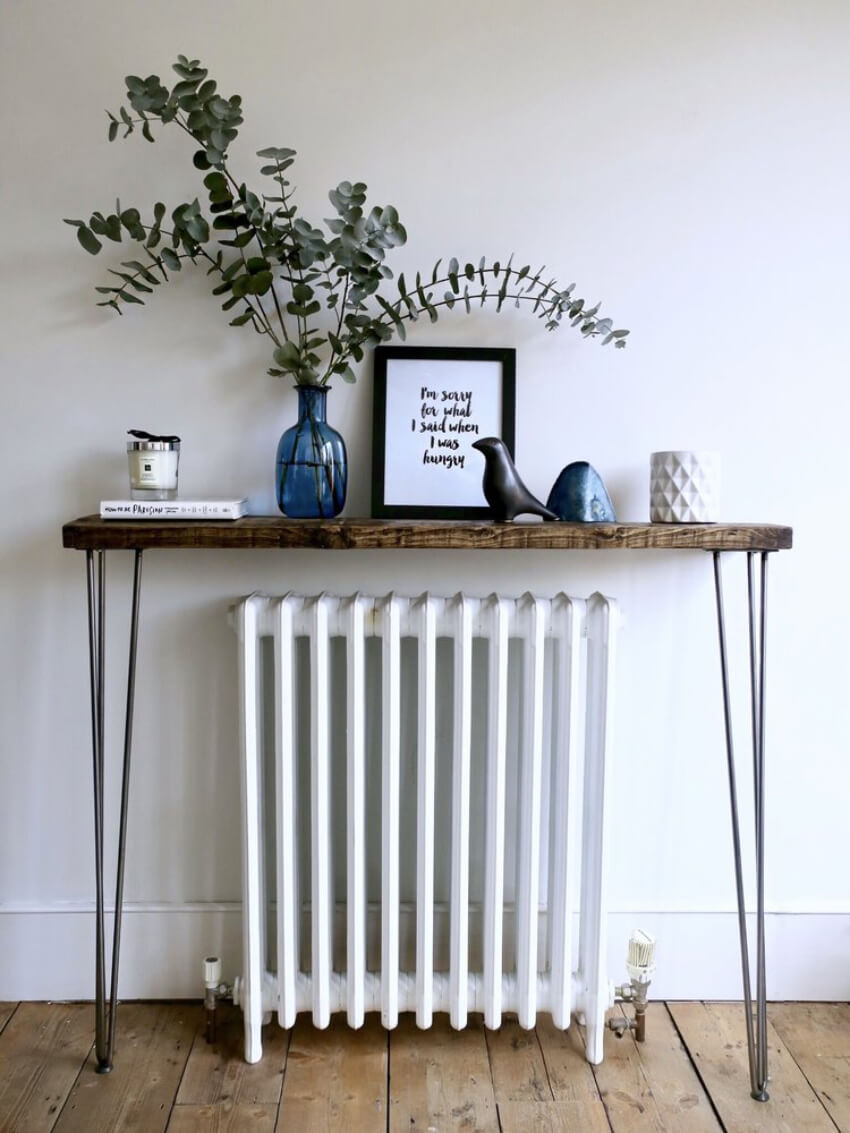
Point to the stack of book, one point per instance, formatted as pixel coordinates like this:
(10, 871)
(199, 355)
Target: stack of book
(173, 509)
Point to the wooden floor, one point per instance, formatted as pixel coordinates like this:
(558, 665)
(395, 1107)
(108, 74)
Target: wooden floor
(690, 1075)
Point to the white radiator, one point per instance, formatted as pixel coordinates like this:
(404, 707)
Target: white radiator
(515, 709)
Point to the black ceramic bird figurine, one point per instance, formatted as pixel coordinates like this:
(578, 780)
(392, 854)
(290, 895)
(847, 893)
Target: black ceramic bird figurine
(504, 491)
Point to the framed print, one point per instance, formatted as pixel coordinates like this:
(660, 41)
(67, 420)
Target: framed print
(431, 405)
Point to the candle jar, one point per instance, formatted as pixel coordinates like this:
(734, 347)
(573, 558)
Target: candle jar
(684, 487)
(153, 469)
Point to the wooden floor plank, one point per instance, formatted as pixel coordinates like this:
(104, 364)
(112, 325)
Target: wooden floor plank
(818, 1037)
(217, 1072)
(570, 1074)
(652, 1087)
(42, 1048)
(516, 1064)
(6, 1012)
(547, 1117)
(440, 1079)
(152, 1045)
(335, 1079)
(223, 1117)
(714, 1034)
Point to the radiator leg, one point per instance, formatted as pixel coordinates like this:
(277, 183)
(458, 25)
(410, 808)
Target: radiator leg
(601, 630)
(756, 1035)
(253, 937)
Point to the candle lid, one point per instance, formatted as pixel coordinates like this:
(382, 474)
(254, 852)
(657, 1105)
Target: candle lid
(153, 446)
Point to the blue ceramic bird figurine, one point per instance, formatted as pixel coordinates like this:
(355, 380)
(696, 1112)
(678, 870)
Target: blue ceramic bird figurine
(579, 496)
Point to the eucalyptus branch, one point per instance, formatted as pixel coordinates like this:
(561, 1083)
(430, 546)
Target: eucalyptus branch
(224, 169)
(259, 240)
(338, 272)
(288, 225)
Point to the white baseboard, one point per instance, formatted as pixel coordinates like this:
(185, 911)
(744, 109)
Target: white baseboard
(47, 952)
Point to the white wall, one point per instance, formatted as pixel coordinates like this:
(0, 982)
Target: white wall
(688, 164)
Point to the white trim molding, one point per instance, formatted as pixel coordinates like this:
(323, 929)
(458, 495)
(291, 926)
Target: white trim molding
(47, 950)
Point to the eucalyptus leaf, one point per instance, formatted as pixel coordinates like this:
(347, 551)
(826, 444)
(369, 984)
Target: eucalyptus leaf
(88, 240)
(143, 271)
(262, 281)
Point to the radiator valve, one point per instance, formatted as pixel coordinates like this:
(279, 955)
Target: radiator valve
(214, 990)
(640, 964)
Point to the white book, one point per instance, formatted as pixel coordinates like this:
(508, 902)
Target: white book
(173, 509)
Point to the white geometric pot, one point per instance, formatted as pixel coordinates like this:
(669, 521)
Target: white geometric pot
(684, 487)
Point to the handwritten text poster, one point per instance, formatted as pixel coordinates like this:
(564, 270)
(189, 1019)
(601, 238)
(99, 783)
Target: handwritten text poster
(436, 410)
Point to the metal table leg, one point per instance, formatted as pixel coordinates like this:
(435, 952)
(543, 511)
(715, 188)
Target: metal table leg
(757, 597)
(96, 587)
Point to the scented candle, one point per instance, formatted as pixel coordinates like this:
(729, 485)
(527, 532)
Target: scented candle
(153, 469)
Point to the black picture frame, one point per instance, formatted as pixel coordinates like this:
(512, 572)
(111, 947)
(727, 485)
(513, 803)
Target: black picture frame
(396, 471)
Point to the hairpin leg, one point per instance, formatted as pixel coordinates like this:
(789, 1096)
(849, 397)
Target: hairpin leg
(96, 588)
(756, 1036)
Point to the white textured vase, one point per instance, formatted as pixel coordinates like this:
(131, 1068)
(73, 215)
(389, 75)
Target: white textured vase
(684, 487)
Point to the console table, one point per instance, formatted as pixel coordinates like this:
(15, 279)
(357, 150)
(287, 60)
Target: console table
(96, 536)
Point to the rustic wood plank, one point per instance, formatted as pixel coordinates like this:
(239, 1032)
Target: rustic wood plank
(217, 1072)
(818, 1037)
(224, 1117)
(151, 1048)
(440, 1078)
(549, 1117)
(715, 1037)
(336, 1079)
(93, 533)
(7, 1010)
(570, 1074)
(42, 1048)
(517, 1065)
(652, 1086)
(325, 1115)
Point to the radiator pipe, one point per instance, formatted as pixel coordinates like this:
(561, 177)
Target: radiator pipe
(214, 992)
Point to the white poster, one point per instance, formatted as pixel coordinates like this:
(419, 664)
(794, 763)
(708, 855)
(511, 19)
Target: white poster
(437, 404)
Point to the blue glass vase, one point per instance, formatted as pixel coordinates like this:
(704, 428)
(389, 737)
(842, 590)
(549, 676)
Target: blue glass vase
(312, 466)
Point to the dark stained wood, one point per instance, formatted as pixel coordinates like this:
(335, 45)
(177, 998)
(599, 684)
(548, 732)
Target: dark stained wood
(42, 1048)
(269, 532)
(651, 1087)
(225, 1117)
(7, 1010)
(818, 1037)
(151, 1048)
(714, 1034)
(516, 1064)
(336, 1079)
(553, 1117)
(217, 1073)
(570, 1077)
(440, 1078)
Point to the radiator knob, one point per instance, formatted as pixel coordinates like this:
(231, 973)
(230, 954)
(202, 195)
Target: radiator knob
(212, 971)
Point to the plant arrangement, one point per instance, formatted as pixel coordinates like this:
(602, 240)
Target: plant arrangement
(322, 296)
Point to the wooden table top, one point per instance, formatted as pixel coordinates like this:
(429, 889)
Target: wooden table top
(270, 532)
